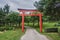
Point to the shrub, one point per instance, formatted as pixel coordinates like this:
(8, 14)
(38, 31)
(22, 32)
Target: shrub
(9, 28)
(51, 30)
(6, 28)
(2, 28)
(59, 31)
(57, 24)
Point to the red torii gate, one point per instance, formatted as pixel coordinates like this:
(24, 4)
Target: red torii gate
(30, 10)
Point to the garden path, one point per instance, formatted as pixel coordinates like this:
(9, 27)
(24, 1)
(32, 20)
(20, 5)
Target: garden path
(32, 34)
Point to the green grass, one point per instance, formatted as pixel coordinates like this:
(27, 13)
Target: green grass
(48, 24)
(51, 36)
(11, 35)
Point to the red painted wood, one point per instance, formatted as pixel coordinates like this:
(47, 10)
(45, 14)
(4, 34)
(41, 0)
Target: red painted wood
(40, 23)
(23, 11)
(30, 14)
(23, 22)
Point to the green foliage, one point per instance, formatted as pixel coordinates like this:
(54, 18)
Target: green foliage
(31, 19)
(6, 28)
(6, 9)
(3, 12)
(9, 18)
(14, 19)
(2, 17)
(40, 5)
(48, 7)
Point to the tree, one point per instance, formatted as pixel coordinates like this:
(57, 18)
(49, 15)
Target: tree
(48, 7)
(40, 5)
(28, 19)
(34, 19)
(13, 18)
(6, 8)
(2, 15)
(6, 11)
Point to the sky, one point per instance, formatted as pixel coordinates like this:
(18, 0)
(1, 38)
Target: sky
(15, 4)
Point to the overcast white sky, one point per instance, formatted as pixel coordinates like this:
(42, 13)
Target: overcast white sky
(15, 4)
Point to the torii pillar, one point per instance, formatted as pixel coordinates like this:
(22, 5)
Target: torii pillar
(23, 14)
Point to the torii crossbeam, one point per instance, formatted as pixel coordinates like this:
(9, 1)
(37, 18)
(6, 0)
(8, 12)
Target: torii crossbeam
(30, 10)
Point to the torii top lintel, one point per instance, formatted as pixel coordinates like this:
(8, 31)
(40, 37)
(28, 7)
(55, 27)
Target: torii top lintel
(27, 10)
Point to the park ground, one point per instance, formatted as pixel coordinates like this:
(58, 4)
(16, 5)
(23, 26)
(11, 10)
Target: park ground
(10, 20)
(11, 35)
(32, 34)
(51, 36)
(17, 34)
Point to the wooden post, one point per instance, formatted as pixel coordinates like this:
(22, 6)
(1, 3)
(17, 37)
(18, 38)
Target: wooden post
(23, 22)
(40, 22)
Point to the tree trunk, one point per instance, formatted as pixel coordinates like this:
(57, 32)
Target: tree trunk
(10, 23)
(19, 24)
(33, 23)
(28, 23)
(38, 21)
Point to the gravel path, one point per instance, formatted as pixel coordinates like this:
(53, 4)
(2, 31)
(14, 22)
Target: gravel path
(32, 34)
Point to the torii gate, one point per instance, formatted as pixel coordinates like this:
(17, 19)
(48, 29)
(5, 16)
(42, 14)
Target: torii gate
(30, 10)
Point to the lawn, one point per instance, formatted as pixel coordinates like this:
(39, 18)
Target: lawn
(51, 36)
(11, 35)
